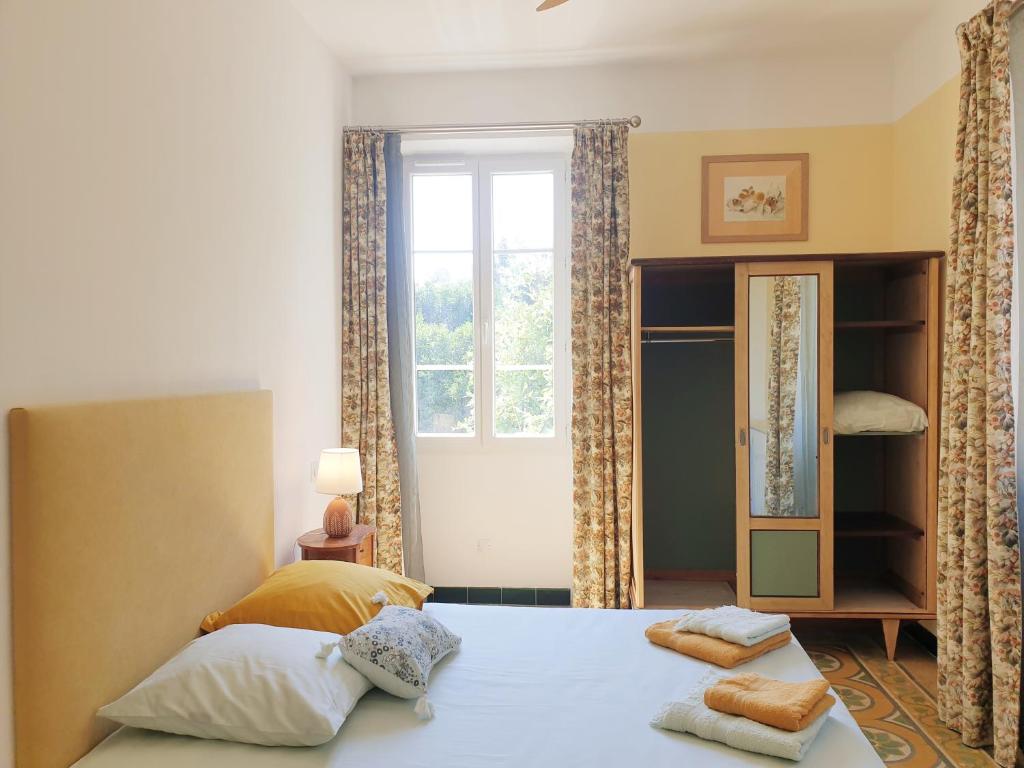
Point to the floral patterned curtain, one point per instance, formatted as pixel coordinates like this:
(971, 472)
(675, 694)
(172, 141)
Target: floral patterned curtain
(979, 593)
(602, 407)
(366, 421)
(783, 369)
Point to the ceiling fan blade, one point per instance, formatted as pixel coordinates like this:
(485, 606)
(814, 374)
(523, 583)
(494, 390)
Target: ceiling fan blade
(547, 5)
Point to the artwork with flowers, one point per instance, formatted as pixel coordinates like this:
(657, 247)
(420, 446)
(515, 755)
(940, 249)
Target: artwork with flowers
(754, 198)
(757, 198)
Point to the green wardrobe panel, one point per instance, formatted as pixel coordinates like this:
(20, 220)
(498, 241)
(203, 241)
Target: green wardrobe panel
(784, 563)
(689, 465)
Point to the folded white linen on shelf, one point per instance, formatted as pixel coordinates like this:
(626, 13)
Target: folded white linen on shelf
(690, 714)
(737, 625)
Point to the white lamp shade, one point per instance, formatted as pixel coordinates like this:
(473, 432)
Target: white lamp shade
(338, 473)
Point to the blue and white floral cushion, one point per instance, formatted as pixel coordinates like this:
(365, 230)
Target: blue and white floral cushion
(397, 650)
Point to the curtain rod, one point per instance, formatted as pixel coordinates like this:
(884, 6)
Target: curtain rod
(633, 122)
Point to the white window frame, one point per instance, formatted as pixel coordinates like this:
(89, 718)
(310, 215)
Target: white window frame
(481, 168)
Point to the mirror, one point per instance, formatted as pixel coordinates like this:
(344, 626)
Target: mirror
(783, 391)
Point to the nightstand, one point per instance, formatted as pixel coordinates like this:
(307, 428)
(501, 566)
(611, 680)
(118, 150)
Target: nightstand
(357, 547)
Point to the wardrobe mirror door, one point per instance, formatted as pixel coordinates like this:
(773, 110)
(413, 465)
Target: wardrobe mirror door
(783, 395)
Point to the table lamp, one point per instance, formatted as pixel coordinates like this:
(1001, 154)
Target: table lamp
(338, 473)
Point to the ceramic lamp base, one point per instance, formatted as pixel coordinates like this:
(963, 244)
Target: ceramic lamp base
(338, 518)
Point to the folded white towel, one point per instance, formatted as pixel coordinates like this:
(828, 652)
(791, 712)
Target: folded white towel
(691, 715)
(737, 625)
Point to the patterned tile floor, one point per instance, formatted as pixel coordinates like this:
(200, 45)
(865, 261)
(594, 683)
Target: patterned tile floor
(893, 702)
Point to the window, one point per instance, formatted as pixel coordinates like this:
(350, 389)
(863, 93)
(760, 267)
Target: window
(488, 237)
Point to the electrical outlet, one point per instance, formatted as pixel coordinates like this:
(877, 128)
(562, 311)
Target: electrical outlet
(483, 545)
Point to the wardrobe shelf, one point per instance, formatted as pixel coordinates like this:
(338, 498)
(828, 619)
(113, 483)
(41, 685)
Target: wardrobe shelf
(863, 525)
(881, 434)
(688, 328)
(879, 325)
(860, 596)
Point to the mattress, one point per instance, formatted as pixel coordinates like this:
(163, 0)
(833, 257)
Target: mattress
(530, 687)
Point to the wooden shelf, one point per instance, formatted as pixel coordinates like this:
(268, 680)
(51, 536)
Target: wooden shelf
(863, 525)
(881, 434)
(879, 325)
(867, 599)
(659, 593)
(865, 596)
(688, 328)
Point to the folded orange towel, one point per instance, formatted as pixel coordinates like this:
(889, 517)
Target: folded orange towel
(711, 649)
(789, 706)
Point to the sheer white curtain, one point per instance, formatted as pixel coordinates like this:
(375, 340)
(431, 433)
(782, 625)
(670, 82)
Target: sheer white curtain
(1017, 80)
(401, 366)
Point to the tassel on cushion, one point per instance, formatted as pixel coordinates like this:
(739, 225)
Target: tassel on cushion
(380, 599)
(326, 649)
(424, 709)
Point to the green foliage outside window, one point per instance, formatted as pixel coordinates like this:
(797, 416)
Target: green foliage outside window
(524, 336)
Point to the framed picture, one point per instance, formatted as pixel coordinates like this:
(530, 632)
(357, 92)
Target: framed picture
(754, 198)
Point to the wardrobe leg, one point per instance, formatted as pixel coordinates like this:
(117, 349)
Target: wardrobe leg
(891, 630)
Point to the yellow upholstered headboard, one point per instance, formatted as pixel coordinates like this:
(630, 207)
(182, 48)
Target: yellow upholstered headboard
(129, 522)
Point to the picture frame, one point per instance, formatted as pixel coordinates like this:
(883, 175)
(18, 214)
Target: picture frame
(754, 198)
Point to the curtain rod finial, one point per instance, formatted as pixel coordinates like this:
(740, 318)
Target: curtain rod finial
(634, 121)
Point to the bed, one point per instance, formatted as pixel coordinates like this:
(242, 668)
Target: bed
(529, 687)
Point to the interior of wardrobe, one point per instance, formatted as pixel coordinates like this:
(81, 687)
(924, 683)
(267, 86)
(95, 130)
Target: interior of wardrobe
(688, 472)
(885, 483)
(699, 525)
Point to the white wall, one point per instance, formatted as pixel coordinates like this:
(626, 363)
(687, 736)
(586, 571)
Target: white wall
(497, 520)
(734, 94)
(169, 221)
(930, 55)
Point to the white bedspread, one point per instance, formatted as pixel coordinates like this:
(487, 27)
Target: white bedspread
(530, 688)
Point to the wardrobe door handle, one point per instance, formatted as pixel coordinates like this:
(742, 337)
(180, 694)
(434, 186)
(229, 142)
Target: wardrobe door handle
(826, 435)
(743, 437)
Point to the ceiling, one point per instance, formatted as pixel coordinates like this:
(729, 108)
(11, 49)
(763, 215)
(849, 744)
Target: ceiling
(371, 36)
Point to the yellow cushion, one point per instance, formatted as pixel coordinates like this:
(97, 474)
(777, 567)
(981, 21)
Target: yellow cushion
(326, 595)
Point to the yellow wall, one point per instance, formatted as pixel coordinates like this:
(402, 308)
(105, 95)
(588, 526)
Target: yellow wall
(850, 184)
(873, 187)
(923, 161)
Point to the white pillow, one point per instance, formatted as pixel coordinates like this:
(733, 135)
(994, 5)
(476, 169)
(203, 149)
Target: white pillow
(857, 412)
(247, 682)
(398, 648)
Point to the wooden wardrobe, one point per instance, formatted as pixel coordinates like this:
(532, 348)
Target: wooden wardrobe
(742, 489)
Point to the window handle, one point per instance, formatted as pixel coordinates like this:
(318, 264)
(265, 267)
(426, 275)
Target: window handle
(826, 435)
(743, 436)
